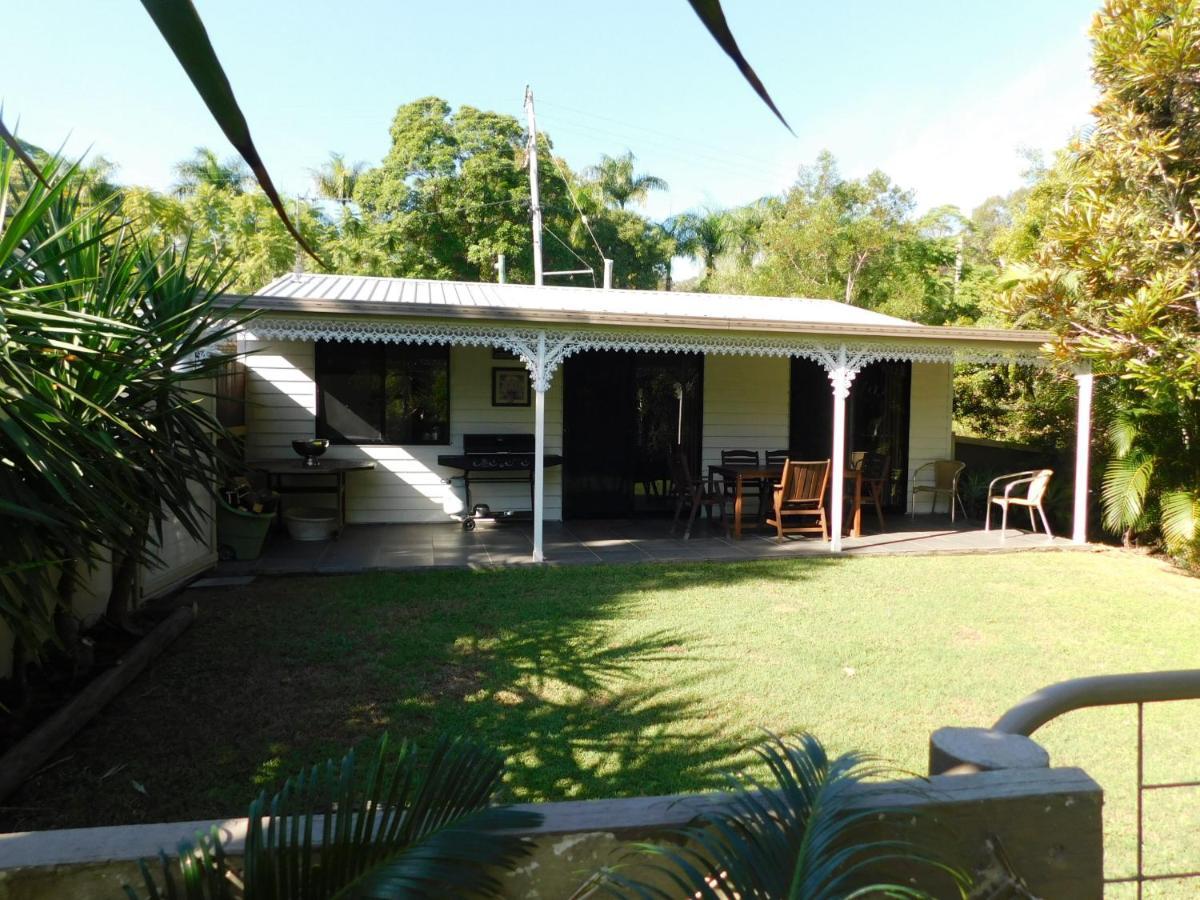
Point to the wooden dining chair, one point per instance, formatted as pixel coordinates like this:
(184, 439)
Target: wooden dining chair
(800, 495)
(777, 457)
(876, 476)
(750, 488)
(692, 494)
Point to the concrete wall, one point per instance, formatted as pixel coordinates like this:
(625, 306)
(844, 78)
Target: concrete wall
(1040, 825)
(930, 421)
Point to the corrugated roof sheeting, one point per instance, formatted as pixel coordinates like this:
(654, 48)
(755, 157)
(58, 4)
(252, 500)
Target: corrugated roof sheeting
(651, 304)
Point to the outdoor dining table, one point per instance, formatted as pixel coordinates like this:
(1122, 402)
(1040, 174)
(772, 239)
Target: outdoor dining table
(278, 469)
(768, 475)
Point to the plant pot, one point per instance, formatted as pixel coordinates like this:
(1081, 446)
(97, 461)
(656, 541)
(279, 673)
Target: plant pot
(240, 533)
(310, 523)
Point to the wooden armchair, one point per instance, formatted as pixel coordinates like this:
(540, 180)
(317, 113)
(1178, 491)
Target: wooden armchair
(693, 495)
(799, 499)
(1037, 479)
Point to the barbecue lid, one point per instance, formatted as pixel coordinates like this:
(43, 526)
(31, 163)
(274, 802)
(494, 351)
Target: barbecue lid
(498, 443)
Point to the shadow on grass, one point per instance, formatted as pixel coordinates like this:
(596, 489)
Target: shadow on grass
(567, 670)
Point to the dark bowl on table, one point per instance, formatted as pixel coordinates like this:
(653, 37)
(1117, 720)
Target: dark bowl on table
(310, 449)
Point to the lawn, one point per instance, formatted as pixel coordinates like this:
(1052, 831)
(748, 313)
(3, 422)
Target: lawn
(643, 679)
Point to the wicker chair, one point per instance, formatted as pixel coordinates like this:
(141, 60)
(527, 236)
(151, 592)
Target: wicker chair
(1037, 479)
(800, 494)
(945, 484)
(693, 495)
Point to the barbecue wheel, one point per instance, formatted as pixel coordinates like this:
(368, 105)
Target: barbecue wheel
(468, 524)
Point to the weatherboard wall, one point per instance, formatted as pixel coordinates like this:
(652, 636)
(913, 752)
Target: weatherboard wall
(745, 406)
(407, 484)
(930, 435)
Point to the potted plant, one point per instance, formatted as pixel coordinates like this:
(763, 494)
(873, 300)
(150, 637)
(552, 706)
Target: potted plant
(244, 518)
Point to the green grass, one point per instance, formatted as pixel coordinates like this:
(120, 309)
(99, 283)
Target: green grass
(622, 680)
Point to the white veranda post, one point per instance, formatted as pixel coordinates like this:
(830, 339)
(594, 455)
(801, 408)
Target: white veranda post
(840, 376)
(1083, 439)
(540, 383)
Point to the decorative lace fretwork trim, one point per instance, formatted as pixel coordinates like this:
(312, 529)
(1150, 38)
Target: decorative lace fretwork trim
(543, 350)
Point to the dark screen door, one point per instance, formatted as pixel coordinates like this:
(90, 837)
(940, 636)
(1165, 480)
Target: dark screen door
(877, 415)
(623, 413)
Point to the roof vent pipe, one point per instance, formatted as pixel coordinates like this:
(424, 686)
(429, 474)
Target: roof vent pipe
(608, 274)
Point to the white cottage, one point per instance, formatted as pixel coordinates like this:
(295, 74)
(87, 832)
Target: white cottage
(397, 371)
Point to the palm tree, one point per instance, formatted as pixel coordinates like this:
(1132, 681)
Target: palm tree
(678, 230)
(204, 168)
(742, 227)
(618, 182)
(336, 179)
(709, 234)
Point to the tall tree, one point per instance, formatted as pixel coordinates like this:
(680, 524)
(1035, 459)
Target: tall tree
(619, 183)
(1116, 269)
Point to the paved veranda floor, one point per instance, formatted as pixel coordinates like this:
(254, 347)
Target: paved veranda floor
(381, 547)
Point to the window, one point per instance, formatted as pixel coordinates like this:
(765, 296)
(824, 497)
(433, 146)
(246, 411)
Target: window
(383, 393)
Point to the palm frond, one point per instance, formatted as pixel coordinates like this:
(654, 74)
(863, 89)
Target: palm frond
(1180, 518)
(803, 833)
(181, 27)
(713, 17)
(1122, 432)
(1126, 485)
(392, 826)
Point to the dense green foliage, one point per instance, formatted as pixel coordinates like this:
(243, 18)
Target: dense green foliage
(1114, 268)
(105, 340)
(451, 195)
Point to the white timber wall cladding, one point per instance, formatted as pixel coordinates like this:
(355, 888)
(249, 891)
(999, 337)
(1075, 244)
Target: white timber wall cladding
(745, 405)
(930, 421)
(407, 484)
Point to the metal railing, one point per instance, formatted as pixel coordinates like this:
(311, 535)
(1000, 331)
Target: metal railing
(1113, 690)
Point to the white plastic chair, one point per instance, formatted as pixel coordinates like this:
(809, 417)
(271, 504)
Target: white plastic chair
(1037, 479)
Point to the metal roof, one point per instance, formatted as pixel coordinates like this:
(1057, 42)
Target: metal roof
(396, 293)
(365, 295)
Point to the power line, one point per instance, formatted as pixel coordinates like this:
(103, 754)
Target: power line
(694, 156)
(582, 215)
(571, 250)
(691, 142)
(456, 210)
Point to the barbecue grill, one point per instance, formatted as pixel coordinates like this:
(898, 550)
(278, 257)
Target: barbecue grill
(496, 459)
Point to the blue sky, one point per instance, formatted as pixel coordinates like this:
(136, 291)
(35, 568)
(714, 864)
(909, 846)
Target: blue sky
(940, 95)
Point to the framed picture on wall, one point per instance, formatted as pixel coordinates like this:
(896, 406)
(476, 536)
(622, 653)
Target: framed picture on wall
(510, 387)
